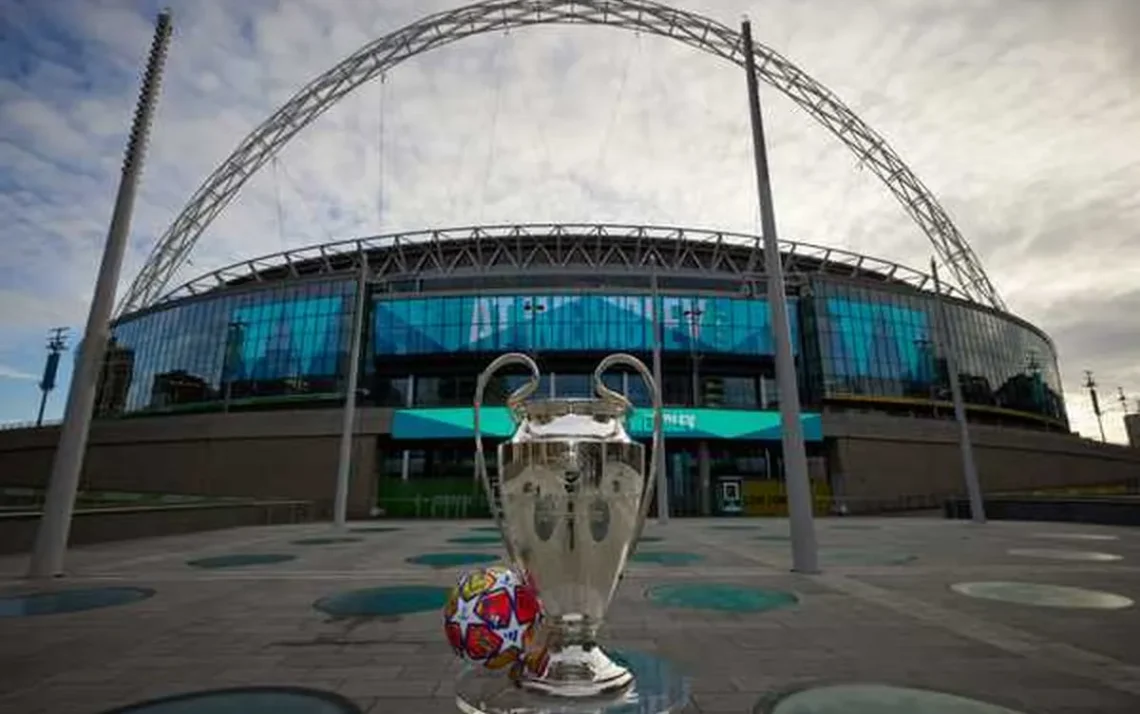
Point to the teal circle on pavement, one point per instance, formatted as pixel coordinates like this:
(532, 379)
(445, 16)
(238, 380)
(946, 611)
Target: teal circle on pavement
(650, 539)
(384, 601)
(327, 540)
(1043, 595)
(451, 560)
(376, 529)
(486, 529)
(840, 556)
(719, 596)
(476, 540)
(1064, 554)
(665, 557)
(239, 560)
(246, 700)
(61, 601)
(878, 699)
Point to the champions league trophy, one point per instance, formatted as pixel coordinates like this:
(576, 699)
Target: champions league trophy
(571, 498)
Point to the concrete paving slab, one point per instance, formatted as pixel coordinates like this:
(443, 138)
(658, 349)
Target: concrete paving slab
(864, 619)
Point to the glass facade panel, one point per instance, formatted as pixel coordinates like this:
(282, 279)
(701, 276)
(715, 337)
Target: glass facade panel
(583, 322)
(291, 340)
(882, 344)
(287, 340)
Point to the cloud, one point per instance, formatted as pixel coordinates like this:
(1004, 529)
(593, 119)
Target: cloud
(1015, 113)
(7, 372)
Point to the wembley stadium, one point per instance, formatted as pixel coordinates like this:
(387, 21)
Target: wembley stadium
(236, 383)
(232, 384)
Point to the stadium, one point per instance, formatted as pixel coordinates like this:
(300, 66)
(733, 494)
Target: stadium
(233, 384)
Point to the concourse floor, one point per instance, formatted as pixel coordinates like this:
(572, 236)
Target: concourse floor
(892, 605)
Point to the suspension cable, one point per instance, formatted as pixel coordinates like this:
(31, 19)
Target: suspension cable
(380, 157)
(607, 131)
(497, 60)
(277, 198)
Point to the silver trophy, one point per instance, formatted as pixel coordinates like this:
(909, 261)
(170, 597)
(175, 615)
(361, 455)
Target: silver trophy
(571, 498)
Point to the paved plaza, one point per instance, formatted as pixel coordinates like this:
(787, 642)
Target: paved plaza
(886, 609)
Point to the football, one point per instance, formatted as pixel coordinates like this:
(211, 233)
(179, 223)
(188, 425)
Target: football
(491, 618)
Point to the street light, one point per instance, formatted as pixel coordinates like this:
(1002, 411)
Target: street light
(57, 343)
(233, 337)
(694, 317)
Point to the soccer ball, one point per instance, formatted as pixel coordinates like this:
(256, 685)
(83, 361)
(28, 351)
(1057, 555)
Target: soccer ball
(491, 618)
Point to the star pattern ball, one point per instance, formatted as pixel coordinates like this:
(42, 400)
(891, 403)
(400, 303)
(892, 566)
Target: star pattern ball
(491, 618)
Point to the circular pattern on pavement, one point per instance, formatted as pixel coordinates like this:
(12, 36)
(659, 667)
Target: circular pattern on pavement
(486, 529)
(384, 602)
(650, 539)
(60, 601)
(327, 540)
(665, 557)
(1061, 554)
(238, 560)
(864, 557)
(476, 540)
(451, 560)
(1043, 595)
(247, 700)
(1078, 536)
(877, 699)
(376, 529)
(719, 596)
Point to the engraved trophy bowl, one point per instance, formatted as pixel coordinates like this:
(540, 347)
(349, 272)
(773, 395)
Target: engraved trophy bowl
(571, 498)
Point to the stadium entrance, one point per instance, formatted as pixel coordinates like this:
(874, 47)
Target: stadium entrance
(717, 462)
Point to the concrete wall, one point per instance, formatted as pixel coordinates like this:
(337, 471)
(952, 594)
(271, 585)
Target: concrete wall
(876, 457)
(292, 454)
(283, 454)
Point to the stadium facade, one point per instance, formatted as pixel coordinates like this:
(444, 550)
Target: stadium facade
(232, 383)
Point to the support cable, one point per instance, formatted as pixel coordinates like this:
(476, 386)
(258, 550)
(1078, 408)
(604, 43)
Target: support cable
(494, 126)
(380, 157)
(607, 131)
(277, 199)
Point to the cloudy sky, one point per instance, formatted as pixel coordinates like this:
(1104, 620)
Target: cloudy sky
(1022, 116)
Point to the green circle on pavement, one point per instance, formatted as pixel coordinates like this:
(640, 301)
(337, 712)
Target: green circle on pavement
(451, 560)
(384, 602)
(327, 540)
(719, 596)
(665, 557)
(476, 540)
(238, 560)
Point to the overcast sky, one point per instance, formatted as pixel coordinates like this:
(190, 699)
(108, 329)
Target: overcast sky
(1022, 116)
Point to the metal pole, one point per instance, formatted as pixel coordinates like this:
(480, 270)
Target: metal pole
(55, 526)
(805, 558)
(43, 403)
(969, 470)
(659, 432)
(344, 461)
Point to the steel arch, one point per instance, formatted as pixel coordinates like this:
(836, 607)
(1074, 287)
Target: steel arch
(491, 15)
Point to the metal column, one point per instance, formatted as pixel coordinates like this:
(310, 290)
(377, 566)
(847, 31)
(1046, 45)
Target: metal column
(344, 462)
(969, 470)
(55, 526)
(804, 555)
(662, 481)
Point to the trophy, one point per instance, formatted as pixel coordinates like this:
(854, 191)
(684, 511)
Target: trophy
(570, 497)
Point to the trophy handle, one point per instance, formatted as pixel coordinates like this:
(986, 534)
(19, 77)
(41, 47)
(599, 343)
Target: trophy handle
(514, 403)
(655, 395)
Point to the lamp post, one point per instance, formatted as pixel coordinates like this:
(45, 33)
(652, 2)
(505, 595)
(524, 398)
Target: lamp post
(57, 343)
(804, 549)
(55, 525)
(233, 340)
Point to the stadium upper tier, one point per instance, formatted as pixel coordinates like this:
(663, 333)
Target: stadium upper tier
(868, 333)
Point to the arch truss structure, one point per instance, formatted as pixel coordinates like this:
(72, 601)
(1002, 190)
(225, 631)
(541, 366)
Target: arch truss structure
(645, 16)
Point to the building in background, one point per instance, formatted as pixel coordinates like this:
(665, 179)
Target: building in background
(245, 369)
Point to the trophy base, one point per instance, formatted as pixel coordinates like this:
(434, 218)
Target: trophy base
(653, 687)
